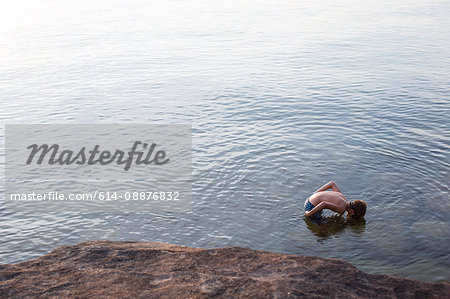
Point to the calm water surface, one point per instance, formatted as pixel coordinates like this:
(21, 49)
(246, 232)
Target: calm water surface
(283, 96)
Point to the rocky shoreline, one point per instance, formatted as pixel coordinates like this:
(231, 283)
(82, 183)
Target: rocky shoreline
(106, 269)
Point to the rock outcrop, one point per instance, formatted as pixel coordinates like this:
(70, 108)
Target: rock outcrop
(102, 269)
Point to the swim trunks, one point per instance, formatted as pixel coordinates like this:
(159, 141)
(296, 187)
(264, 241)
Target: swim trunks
(309, 206)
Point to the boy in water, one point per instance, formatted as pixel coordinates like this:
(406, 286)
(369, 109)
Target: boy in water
(335, 201)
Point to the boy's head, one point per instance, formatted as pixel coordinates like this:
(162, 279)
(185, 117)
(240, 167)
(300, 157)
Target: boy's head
(359, 208)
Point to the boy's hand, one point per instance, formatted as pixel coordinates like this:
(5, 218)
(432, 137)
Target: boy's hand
(307, 214)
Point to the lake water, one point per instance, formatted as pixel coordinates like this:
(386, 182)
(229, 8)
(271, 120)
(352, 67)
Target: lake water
(283, 96)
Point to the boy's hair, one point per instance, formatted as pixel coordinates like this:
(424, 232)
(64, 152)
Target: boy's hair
(359, 207)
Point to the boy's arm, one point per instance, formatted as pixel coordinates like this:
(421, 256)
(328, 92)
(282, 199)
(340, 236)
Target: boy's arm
(325, 205)
(318, 208)
(329, 185)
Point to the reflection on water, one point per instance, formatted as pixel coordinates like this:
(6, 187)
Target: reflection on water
(326, 227)
(283, 96)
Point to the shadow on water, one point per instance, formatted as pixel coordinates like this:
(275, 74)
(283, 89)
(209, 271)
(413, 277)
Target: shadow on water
(327, 227)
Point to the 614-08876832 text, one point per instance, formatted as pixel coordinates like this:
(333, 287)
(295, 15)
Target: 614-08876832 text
(97, 195)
